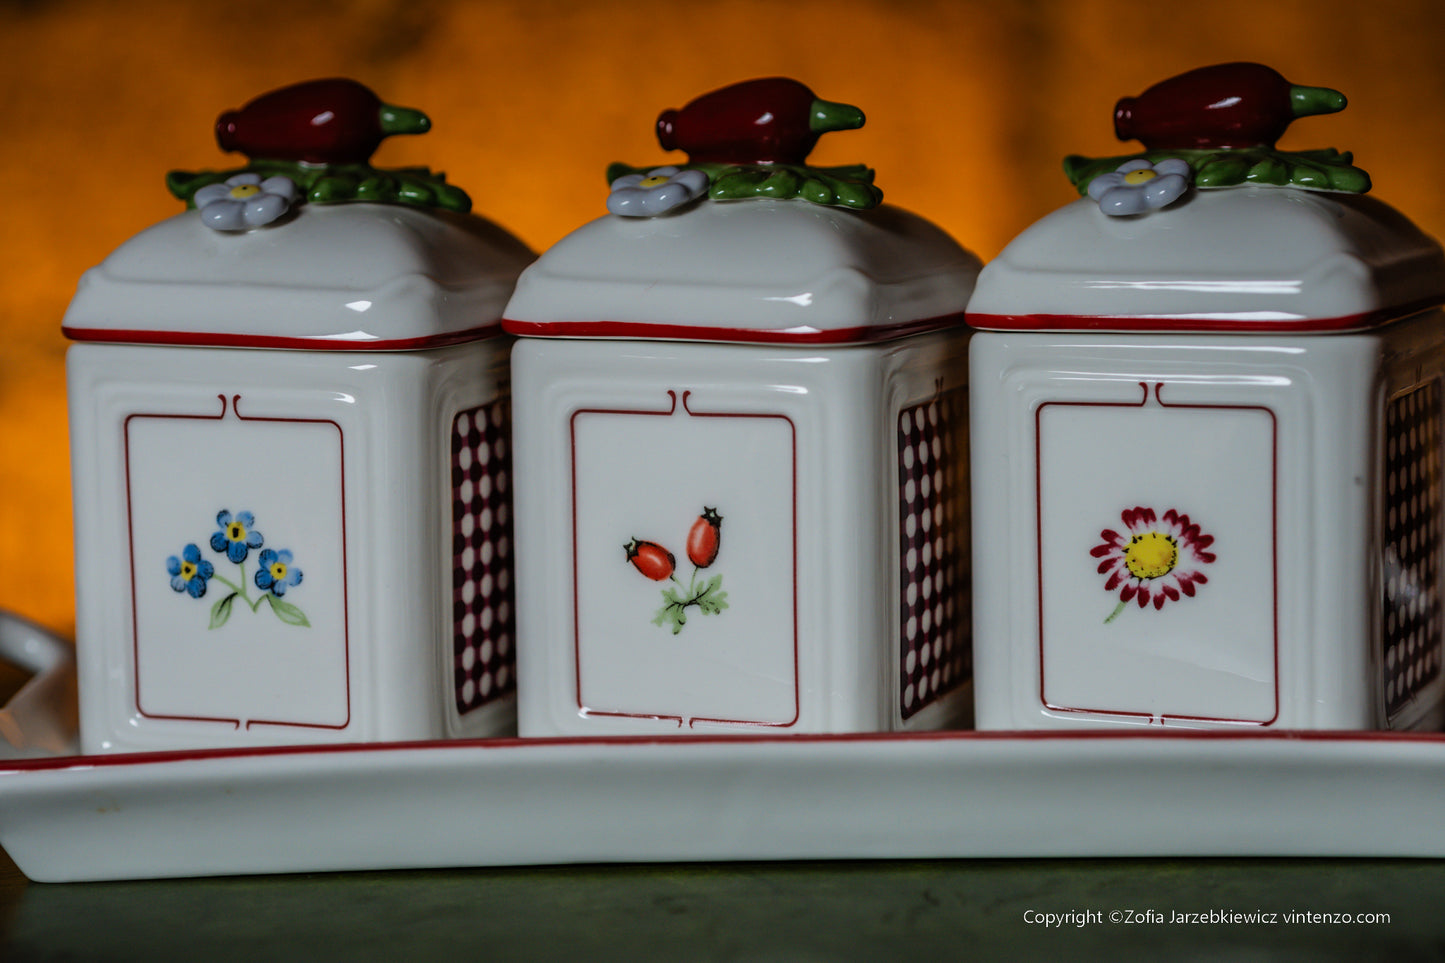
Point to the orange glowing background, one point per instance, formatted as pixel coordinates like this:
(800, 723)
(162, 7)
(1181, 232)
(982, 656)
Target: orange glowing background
(970, 107)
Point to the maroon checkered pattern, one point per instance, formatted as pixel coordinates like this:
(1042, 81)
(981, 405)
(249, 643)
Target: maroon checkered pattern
(1412, 637)
(933, 551)
(483, 597)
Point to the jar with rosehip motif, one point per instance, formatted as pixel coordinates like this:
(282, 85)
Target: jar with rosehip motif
(740, 444)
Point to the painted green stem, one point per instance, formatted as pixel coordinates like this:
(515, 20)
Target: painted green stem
(1115, 614)
(240, 590)
(693, 592)
(706, 597)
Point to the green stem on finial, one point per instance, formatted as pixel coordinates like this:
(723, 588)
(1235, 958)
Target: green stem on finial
(1307, 101)
(402, 120)
(826, 115)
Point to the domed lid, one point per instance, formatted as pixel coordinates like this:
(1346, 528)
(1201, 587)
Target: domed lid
(746, 242)
(340, 276)
(756, 271)
(1212, 228)
(307, 246)
(1245, 259)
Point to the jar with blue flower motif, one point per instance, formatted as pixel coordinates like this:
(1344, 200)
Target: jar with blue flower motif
(290, 429)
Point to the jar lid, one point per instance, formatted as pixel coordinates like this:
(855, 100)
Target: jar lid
(746, 242)
(1242, 259)
(344, 277)
(307, 246)
(1213, 228)
(780, 272)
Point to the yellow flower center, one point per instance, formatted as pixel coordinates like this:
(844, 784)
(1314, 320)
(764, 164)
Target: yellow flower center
(242, 191)
(654, 180)
(1151, 555)
(278, 571)
(188, 570)
(1139, 176)
(236, 532)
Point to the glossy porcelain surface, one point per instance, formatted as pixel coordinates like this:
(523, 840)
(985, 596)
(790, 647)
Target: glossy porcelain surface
(349, 276)
(754, 270)
(1243, 259)
(40, 718)
(962, 794)
(801, 621)
(290, 432)
(1221, 106)
(345, 468)
(943, 795)
(1276, 451)
(771, 120)
(741, 440)
(1207, 445)
(329, 121)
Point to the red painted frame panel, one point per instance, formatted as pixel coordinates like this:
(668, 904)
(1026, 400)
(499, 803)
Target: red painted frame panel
(234, 407)
(1039, 549)
(582, 707)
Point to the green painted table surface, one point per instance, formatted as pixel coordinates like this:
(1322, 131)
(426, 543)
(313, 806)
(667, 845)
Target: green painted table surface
(874, 911)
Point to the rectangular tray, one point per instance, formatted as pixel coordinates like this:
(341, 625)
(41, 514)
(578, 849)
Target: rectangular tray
(515, 801)
(1120, 792)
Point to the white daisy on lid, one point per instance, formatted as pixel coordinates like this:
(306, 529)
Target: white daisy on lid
(245, 201)
(658, 191)
(1138, 186)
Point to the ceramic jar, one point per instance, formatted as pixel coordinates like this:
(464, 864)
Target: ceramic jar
(313, 389)
(740, 447)
(1207, 436)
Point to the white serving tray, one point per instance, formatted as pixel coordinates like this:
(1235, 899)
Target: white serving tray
(514, 801)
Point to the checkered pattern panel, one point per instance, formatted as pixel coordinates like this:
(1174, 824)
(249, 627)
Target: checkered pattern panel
(483, 597)
(1412, 637)
(933, 551)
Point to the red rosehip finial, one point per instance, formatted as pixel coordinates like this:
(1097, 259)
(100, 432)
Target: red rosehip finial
(1223, 106)
(773, 120)
(333, 121)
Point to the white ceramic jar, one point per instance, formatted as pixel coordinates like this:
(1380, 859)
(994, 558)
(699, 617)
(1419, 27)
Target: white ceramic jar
(323, 397)
(740, 449)
(1207, 462)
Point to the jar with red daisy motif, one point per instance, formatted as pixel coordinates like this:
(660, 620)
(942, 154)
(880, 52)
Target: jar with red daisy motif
(740, 444)
(1206, 446)
(289, 426)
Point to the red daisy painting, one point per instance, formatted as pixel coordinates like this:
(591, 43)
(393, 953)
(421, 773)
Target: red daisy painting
(1155, 558)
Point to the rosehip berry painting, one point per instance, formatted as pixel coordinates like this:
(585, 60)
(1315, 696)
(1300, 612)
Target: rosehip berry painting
(651, 559)
(704, 540)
